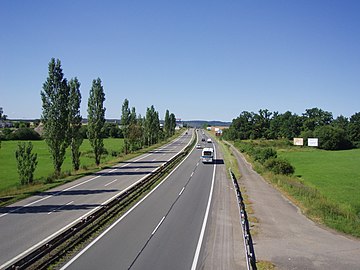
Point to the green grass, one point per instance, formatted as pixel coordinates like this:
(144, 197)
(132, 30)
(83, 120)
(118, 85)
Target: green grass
(335, 174)
(8, 166)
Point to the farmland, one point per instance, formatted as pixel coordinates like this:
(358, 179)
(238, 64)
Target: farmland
(8, 165)
(335, 174)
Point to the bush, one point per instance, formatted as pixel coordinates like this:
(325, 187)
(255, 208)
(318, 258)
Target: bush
(26, 134)
(279, 166)
(26, 163)
(263, 154)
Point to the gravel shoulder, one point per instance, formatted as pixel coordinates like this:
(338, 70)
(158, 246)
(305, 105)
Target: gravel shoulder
(286, 237)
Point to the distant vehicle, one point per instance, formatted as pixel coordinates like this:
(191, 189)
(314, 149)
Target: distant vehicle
(207, 155)
(198, 146)
(209, 140)
(203, 139)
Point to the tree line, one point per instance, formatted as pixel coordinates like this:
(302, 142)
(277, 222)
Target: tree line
(63, 128)
(333, 134)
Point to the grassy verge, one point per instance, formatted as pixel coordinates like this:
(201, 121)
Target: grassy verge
(11, 190)
(325, 185)
(265, 265)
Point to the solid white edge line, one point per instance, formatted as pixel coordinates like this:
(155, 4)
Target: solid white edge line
(202, 233)
(125, 214)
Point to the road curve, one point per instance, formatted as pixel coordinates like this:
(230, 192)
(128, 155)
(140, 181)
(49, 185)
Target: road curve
(28, 223)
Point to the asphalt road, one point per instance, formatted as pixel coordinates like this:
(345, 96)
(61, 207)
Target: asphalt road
(28, 223)
(286, 237)
(163, 230)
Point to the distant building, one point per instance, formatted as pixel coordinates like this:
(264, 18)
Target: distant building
(5, 124)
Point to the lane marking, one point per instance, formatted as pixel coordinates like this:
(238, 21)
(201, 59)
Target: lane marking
(123, 216)
(58, 208)
(137, 169)
(22, 254)
(182, 190)
(192, 174)
(113, 170)
(202, 233)
(110, 183)
(50, 196)
(157, 227)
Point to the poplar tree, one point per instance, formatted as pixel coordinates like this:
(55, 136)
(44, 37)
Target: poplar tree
(96, 119)
(75, 120)
(125, 122)
(167, 124)
(55, 113)
(172, 124)
(152, 125)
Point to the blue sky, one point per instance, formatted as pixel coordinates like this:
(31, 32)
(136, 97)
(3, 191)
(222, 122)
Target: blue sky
(206, 60)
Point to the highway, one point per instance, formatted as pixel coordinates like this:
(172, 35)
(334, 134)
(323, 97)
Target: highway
(33, 221)
(164, 230)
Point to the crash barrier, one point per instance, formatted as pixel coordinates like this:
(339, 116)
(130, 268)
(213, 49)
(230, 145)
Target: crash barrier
(248, 243)
(58, 247)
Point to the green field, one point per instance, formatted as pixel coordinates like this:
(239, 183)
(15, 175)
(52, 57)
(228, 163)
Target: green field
(8, 170)
(336, 174)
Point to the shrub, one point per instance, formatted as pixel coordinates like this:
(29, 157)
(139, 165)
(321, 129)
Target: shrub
(24, 134)
(279, 166)
(26, 163)
(263, 154)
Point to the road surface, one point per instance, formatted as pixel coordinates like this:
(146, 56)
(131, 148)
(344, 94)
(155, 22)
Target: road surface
(29, 223)
(179, 225)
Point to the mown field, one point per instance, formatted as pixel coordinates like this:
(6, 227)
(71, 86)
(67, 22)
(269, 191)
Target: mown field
(8, 166)
(335, 174)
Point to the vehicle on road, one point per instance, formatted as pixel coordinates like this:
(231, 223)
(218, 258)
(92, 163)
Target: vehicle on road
(203, 139)
(198, 146)
(209, 140)
(207, 155)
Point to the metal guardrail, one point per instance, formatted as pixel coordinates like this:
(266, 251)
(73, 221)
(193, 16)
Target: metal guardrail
(248, 243)
(54, 249)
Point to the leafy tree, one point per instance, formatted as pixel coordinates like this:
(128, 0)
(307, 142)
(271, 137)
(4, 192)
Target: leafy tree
(125, 122)
(285, 125)
(26, 163)
(135, 131)
(341, 122)
(261, 124)
(354, 129)
(316, 117)
(55, 113)
(152, 125)
(172, 124)
(167, 124)
(2, 115)
(75, 120)
(96, 119)
(332, 138)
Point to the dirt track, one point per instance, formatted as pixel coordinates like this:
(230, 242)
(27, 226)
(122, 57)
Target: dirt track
(286, 237)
